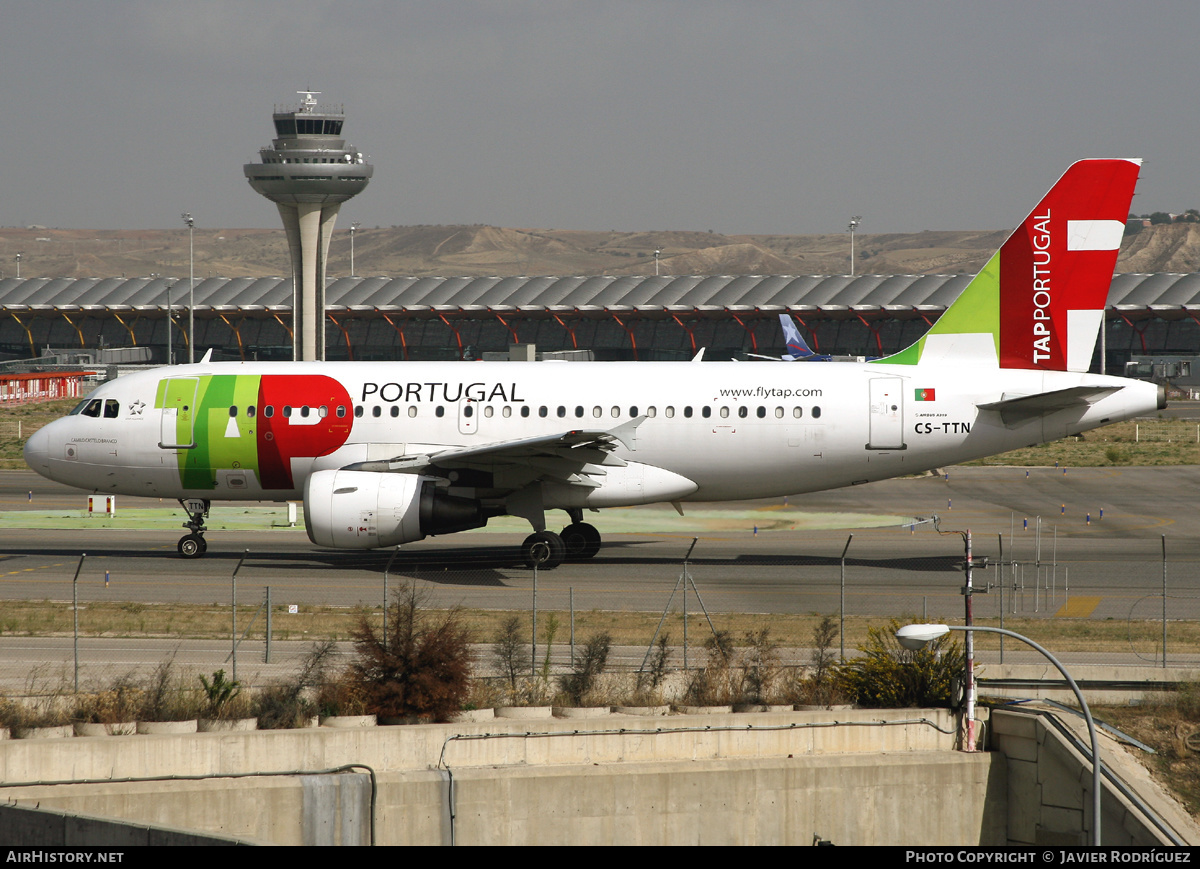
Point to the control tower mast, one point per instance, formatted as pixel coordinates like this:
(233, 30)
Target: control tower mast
(308, 172)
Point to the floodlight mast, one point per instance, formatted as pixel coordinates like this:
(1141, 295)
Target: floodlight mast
(187, 218)
(854, 222)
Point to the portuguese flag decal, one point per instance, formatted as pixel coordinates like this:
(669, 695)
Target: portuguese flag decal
(924, 395)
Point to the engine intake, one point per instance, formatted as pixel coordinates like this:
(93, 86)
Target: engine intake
(366, 510)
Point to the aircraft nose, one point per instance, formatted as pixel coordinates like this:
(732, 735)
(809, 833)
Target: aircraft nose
(37, 451)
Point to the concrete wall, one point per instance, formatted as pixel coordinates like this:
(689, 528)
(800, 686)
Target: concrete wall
(1050, 786)
(858, 777)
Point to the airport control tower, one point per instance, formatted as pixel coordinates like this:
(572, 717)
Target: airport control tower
(308, 172)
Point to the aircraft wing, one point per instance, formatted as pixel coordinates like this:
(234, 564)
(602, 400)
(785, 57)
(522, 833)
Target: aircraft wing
(1018, 408)
(560, 456)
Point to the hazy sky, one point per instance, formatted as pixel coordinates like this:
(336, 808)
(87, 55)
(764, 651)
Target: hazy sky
(747, 116)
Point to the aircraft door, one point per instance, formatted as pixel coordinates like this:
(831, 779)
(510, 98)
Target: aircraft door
(468, 416)
(177, 428)
(887, 414)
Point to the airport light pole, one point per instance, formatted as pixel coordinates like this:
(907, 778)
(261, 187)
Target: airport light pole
(18, 266)
(854, 222)
(169, 324)
(353, 229)
(915, 637)
(187, 218)
(657, 253)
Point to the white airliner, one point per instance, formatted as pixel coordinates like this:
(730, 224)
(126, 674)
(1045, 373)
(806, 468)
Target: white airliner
(385, 453)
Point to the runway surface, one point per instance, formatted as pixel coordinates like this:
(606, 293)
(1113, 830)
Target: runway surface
(1106, 569)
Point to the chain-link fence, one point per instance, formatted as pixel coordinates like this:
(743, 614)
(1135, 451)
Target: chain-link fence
(1116, 601)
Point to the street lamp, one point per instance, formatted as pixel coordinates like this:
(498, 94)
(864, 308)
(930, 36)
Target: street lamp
(187, 218)
(18, 266)
(170, 322)
(914, 637)
(657, 253)
(353, 229)
(854, 222)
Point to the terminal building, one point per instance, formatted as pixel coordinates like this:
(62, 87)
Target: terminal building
(603, 318)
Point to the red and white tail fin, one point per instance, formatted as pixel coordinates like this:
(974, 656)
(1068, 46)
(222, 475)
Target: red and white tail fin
(1039, 302)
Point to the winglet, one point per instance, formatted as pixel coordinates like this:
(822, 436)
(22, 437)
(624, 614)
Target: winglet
(1039, 302)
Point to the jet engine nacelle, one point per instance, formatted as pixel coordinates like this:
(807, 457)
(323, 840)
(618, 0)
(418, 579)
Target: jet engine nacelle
(366, 510)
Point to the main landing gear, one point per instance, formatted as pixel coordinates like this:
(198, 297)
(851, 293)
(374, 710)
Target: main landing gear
(579, 541)
(193, 545)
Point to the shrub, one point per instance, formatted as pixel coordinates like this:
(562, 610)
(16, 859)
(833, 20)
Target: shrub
(714, 684)
(163, 697)
(220, 693)
(889, 676)
(820, 685)
(760, 667)
(117, 704)
(589, 665)
(419, 667)
(511, 651)
(289, 704)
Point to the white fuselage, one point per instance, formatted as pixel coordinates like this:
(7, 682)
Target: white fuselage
(726, 430)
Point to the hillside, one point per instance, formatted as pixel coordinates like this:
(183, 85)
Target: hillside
(490, 250)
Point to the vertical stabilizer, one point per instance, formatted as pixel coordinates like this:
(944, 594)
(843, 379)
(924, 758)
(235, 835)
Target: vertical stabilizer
(1039, 301)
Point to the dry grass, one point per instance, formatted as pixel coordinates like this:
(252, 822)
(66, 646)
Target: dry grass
(18, 422)
(194, 621)
(1170, 724)
(1126, 444)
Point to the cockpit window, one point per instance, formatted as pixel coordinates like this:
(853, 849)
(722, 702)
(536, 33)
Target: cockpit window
(93, 408)
(112, 407)
(78, 409)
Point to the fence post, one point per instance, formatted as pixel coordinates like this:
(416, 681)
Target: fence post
(842, 601)
(1164, 600)
(75, 608)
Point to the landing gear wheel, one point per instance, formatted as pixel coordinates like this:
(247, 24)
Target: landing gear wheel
(192, 546)
(544, 550)
(582, 541)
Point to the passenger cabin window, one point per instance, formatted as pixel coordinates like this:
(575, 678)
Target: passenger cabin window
(816, 413)
(687, 411)
(233, 411)
(269, 411)
(250, 411)
(287, 411)
(358, 411)
(375, 411)
(524, 410)
(395, 410)
(439, 411)
(412, 410)
(706, 411)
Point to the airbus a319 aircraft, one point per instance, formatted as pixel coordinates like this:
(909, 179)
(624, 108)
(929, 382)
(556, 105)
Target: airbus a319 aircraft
(385, 453)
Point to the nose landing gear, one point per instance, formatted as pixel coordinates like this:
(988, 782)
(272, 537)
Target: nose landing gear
(193, 545)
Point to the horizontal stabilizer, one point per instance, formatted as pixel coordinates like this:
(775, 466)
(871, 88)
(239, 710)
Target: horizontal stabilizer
(1018, 408)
